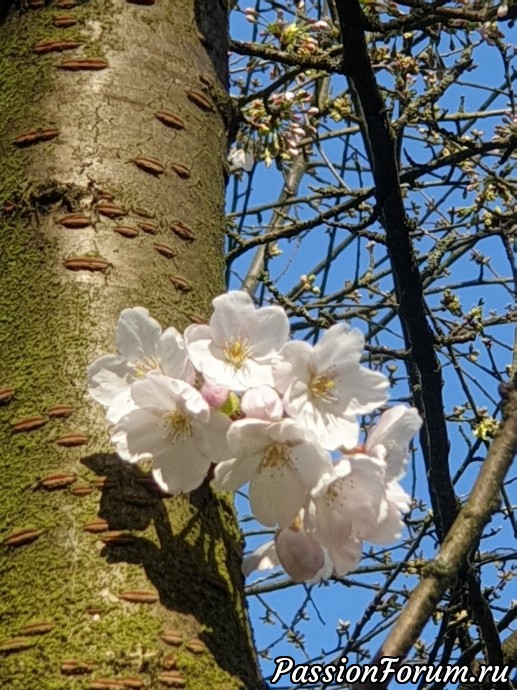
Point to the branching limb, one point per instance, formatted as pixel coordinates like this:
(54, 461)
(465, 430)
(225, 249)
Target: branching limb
(461, 539)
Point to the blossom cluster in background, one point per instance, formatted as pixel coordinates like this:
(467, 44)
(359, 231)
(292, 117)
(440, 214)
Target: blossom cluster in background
(238, 395)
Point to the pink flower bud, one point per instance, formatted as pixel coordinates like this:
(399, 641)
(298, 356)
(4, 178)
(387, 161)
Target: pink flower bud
(262, 403)
(300, 555)
(215, 396)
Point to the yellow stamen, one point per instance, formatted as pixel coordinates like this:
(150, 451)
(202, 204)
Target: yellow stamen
(181, 426)
(237, 352)
(276, 455)
(321, 386)
(142, 367)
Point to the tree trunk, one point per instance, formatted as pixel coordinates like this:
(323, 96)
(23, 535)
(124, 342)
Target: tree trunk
(113, 134)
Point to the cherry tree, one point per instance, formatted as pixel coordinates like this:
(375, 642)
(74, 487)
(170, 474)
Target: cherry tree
(352, 382)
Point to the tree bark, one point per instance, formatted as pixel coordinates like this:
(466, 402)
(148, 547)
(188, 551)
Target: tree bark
(113, 134)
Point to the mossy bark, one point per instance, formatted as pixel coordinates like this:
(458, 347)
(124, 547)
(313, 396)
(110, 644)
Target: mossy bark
(82, 602)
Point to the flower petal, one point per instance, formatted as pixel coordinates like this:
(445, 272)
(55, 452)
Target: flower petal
(155, 390)
(293, 366)
(393, 433)
(347, 557)
(268, 331)
(390, 527)
(339, 347)
(173, 357)
(369, 390)
(121, 405)
(276, 495)
(248, 437)
(211, 437)
(140, 433)
(138, 334)
(119, 440)
(107, 377)
(216, 396)
(332, 431)
(262, 403)
(311, 461)
(182, 469)
(230, 475)
(232, 315)
(263, 558)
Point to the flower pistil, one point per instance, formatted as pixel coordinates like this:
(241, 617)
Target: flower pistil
(180, 425)
(237, 352)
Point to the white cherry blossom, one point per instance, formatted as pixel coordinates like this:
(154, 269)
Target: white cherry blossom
(239, 346)
(363, 499)
(356, 502)
(281, 460)
(324, 387)
(173, 424)
(143, 347)
(335, 503)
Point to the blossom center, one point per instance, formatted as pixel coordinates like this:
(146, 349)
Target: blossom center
(143, 366)
(237, 352)
(321, 386)
(276, 455)
(180, 425)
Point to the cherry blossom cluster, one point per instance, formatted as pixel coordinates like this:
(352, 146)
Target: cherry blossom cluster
(238, 399)
(304, 35)
(281, 123)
